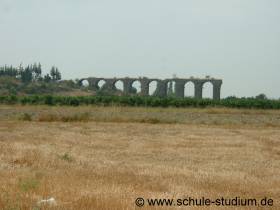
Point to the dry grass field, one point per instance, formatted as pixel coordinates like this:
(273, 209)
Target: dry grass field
(106, 157)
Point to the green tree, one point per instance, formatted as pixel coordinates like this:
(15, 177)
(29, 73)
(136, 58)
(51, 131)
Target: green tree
(55, 74)
(26, 75)
(47, 78)
(9, 71)
(37, 69)
(261, 96)
(52, 73)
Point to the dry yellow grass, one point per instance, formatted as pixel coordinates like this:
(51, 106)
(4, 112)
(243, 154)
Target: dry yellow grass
(208, 116)
(98, 164)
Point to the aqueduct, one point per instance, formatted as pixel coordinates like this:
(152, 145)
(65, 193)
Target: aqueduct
(161, 88)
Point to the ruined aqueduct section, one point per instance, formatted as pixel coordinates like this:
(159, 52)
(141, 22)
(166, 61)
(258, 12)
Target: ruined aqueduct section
(162, 85)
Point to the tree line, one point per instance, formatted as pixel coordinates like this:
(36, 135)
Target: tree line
(30, 73)
(146, 101)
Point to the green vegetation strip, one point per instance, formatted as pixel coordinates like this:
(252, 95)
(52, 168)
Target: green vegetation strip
(139, 101)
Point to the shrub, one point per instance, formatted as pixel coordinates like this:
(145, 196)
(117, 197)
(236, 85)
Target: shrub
(149, 101)
(66, 157)
(81, 117)
(28, 184)
(48, 118)
(84, 117)
(49, 100)
(25, 117)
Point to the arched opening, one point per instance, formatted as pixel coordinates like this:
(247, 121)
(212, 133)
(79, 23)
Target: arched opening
(152, 87)
(189, 90)
(85, 83)
(207, 90)
(170, 89)
(119, 85)
(101, 83)
(136, 87)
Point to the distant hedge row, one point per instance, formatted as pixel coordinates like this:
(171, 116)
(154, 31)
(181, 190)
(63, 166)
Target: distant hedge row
(140, 101)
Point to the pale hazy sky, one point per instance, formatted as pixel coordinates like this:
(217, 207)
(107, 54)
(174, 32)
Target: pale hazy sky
(236, 40)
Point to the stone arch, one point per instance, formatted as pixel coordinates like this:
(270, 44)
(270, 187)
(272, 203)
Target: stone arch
(100, 83)
(84, 83)
(153, 84)
(119, 85)
(207, 89)
(189, 89)
(136, 86)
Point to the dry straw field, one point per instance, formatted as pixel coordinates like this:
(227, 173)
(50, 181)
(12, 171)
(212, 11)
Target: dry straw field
(106, 157)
